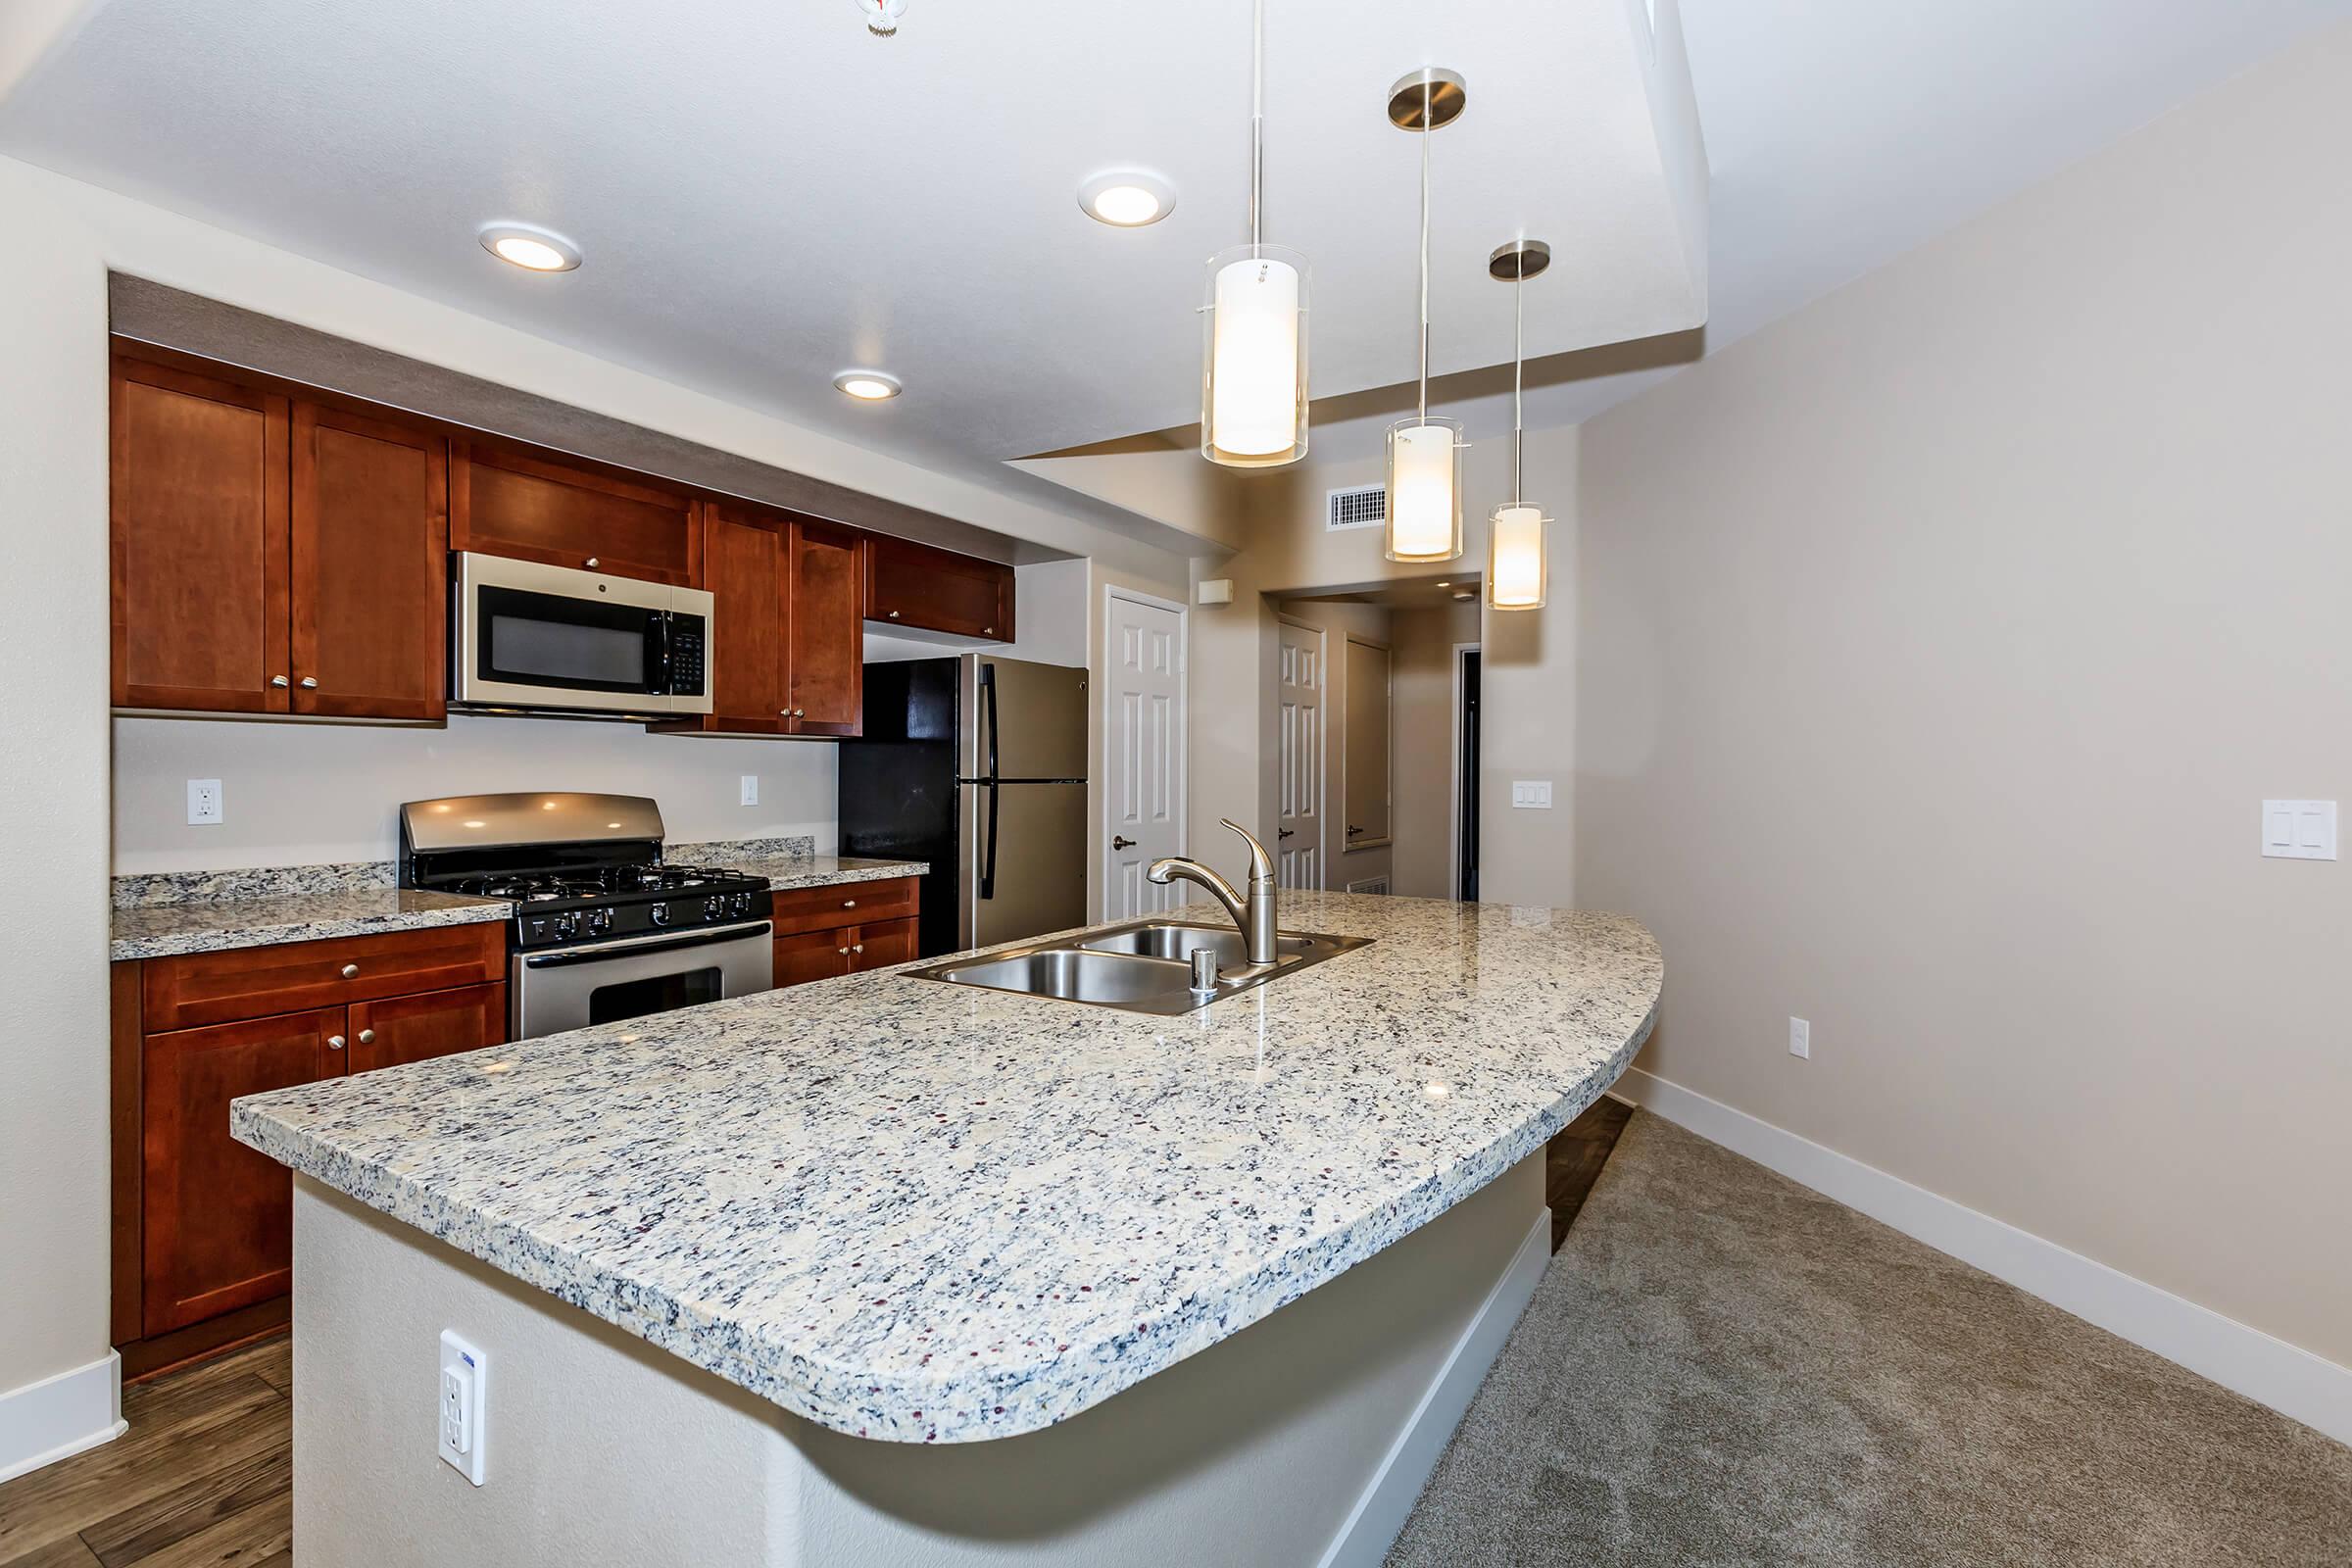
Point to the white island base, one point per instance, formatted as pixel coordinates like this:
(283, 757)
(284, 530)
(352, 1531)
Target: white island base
(1302, 1440)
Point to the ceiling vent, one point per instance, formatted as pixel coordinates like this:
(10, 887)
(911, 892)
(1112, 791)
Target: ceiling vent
(1363, 506)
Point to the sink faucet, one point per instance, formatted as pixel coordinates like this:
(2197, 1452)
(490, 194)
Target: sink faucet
(1254, 915)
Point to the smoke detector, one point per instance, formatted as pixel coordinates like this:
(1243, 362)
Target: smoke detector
(881, 16)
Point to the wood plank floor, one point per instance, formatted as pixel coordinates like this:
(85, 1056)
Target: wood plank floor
(206, 1473)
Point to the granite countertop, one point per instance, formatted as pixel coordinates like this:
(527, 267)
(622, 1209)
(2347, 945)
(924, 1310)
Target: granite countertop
(162, 930)
(925, 1212)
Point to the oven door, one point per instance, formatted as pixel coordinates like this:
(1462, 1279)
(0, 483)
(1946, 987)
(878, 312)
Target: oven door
(606, 982)
(527, 635)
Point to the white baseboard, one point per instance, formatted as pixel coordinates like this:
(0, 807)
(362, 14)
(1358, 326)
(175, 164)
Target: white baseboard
(2269, 1371)
(58, 1417)
(1379, 1512)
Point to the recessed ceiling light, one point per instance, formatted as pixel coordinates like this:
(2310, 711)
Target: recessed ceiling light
(867, 386)
(537, 250)
(1444, 585)
(1465, 593)
(1127, 198)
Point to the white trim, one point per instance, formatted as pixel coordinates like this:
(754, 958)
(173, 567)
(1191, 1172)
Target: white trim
(1181, 765)
(1322, 739)
(1453, 823)
(2269, 1371)
(61, 1416)
(1381, 1510)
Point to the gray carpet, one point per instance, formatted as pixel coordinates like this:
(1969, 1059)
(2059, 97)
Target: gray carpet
(1722, 1367)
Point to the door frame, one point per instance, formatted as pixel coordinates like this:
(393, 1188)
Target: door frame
(1099, 777)
(1453, 823)
(1322, 741)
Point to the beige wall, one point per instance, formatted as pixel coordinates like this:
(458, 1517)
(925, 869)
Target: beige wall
(1938, 646)
(53, 895)
(1422, 642)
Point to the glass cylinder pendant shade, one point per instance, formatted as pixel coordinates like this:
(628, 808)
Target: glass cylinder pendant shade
(1517, 572)
(1425, 490)
(1253, 357)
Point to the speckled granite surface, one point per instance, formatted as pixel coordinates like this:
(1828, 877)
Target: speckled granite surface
(160, 930)
(789, 863)
(931, 1213)
(152, 888)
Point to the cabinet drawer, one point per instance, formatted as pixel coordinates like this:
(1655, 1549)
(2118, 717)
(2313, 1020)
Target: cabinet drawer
(848, 903)
(203, 988)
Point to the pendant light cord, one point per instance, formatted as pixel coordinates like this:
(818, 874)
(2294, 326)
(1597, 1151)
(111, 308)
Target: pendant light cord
(1428, 130)
(1518, 368)
(1257, 124)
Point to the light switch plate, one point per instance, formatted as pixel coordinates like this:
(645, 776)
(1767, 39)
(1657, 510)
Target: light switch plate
(2298, 830)
(1800, 1038)
(750, 789)
(461, 1420)
(1532, 793)
(204, 803)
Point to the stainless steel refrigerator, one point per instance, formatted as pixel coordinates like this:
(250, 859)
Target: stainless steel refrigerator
(977, 764)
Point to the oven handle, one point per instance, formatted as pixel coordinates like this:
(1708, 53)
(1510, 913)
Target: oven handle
(640, 945)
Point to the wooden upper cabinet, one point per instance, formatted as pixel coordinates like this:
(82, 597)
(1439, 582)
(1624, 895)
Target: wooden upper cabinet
(370, 568)
(199, 543)
(504, 500)
(908, 584)
(825, 630)
(744, 568)
(215, 1217)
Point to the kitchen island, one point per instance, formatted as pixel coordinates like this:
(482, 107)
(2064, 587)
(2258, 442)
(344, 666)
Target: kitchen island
(887, 1269)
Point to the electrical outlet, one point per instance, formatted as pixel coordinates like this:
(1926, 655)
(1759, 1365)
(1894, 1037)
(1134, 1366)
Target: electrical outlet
(1801, 1039)
(462, 1422)
(750, 789)
(204, 803)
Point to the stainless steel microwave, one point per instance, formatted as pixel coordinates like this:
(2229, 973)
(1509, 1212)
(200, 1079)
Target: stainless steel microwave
(528, 637)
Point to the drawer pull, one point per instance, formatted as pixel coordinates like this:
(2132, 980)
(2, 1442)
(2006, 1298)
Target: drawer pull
(334, 1042)
(366, 1037)
(310, 683)
(351, 971)
(278, 680)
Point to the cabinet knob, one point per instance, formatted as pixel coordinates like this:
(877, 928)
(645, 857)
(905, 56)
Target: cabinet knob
(310, 683)
(366, 1037)
(593, 561)
(893, 614)
(800, 712)
(351, 971)
(844, 951)
(987, 631)
(856, 947)
(848, 903)
(278, 680)
(334, 1042)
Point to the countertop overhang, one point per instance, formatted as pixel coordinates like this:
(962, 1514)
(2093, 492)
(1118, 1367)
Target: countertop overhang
(923, 1212)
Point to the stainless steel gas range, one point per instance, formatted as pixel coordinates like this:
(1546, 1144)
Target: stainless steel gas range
(604, 929)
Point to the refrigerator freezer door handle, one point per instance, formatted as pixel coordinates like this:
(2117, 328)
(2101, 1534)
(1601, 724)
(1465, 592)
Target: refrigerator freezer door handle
(988, 702)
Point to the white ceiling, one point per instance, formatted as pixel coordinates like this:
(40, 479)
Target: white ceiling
(768, 195)
(1841, 133)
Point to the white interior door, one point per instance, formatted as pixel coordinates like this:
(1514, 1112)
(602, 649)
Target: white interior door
(1299, 681)
(1144, 750)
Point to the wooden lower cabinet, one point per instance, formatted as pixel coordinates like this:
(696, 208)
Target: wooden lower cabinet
(878, 947)
(217, 1218)
(826, 932)
(203, 1248)
(811, 956)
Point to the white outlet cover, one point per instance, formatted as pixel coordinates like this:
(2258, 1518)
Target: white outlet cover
(1801, 1039)
(461, 1420)
(204, 802)
(750, 789)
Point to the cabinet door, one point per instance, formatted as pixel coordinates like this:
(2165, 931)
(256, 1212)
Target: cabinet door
(812, 956)
(505, 502)
(827, 631)
(217, 1218)
(439, 1023)
(745, 570)
(880, 946)
(370, 568)
(908, 584)
(198, 521)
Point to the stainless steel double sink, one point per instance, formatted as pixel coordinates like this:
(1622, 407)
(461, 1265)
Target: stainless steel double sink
(1144, 966)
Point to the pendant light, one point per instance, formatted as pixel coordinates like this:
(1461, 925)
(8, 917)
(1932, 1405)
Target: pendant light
(1425, 455)
(1517, 570)
(1253, 351)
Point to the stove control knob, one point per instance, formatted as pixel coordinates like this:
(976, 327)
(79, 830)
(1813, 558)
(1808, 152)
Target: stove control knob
(600, 920)
(659, 913)
(742, 904)
(566, 924)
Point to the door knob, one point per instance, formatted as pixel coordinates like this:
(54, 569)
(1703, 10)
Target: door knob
(310, 683)
(1119, 841)
(366, 1037)
(351, 971)
(1283, 834)
(334, 1042)
(278, 680)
